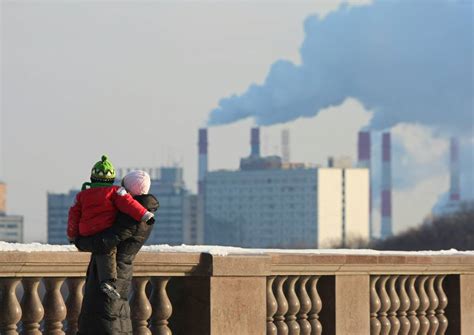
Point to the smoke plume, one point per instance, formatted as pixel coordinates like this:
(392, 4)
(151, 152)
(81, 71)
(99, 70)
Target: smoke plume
(407, 61)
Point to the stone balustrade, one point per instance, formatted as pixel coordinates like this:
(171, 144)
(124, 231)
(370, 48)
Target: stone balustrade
(408, 304)
(271, 293)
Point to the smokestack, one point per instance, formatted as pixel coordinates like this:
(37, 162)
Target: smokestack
(363, 149)
(202, 164)
(454, 167)
(364, 161)
(285, 146)
(255, 142)
(386, 228)
(202, 171)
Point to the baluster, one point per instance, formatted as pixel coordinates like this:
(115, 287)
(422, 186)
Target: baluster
(434, 302)
(375, 326)
(279, 317)
(293, 306)
(73, 303)
(394, 306)
(31, 307)
(316, 306)
(305, 306)
(384, 305)
(10, 310)
(54, 307)
(443, 302)
(424, 304)
(271, 307)
(404, 305)
(414, 304)
(161, 306)
(140, 307)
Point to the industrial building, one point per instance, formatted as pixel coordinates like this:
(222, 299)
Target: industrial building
(176, 217)
(268, 203)
(58, 210)
(11, 226)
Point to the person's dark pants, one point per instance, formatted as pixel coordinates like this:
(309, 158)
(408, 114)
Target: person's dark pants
(101, 315)
(103, 247)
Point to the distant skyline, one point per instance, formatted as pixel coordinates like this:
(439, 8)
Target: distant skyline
(136, 80)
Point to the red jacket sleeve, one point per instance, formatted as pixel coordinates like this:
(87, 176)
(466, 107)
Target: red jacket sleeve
(74, 218)
(127, 205)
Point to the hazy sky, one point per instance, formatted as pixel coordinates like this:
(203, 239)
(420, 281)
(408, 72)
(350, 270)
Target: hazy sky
(136, 79)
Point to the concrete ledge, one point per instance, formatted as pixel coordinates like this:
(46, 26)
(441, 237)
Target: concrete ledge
(298, 264)
(74, 264)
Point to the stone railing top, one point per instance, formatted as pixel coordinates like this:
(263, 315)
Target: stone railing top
(24, 260)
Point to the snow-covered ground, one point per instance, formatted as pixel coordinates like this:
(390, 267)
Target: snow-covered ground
(224, 251)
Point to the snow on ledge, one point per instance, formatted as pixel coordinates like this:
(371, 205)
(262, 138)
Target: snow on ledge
(224, 251)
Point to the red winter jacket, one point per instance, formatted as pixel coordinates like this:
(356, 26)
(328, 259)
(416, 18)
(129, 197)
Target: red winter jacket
(95, 209)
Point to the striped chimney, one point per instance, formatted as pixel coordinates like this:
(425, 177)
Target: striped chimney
(364, 161)
(363, 149)
(202, 163)
(454, 167)
(386, 204)
(255, 142)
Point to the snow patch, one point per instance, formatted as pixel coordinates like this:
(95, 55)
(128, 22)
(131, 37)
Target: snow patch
(34, 247)
(224, 251)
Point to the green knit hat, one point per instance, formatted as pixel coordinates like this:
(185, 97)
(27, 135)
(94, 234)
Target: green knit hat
(103, 171)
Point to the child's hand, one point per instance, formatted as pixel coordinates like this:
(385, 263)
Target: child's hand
(151, 221)
(147, 217)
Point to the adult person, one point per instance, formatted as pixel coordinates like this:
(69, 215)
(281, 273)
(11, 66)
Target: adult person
(100, 313)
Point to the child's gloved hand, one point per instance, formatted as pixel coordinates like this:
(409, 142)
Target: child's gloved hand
(151, 221)
(147, 217)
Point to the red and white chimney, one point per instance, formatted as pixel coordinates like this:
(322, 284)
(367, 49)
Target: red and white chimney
(364, 161)
(386, 201)
(202, 162)
(363, 149)
(202, 171)
(454, 168)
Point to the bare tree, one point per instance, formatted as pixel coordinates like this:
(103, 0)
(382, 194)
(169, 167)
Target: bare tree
(455, 230)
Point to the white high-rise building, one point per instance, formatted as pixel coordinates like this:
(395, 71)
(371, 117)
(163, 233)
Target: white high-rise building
(295, 207)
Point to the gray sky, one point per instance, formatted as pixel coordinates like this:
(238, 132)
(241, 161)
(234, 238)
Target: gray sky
(136, 79)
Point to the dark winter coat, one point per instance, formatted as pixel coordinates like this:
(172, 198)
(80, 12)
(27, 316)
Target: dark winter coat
(99, 314)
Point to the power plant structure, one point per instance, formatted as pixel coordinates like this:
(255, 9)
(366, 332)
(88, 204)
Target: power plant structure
(270, 203)
(364, 161)
(386, 192)
(364, 148)
(454, 201)
(202, 171)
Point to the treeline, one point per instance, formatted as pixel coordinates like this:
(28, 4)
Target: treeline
(455, 230)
